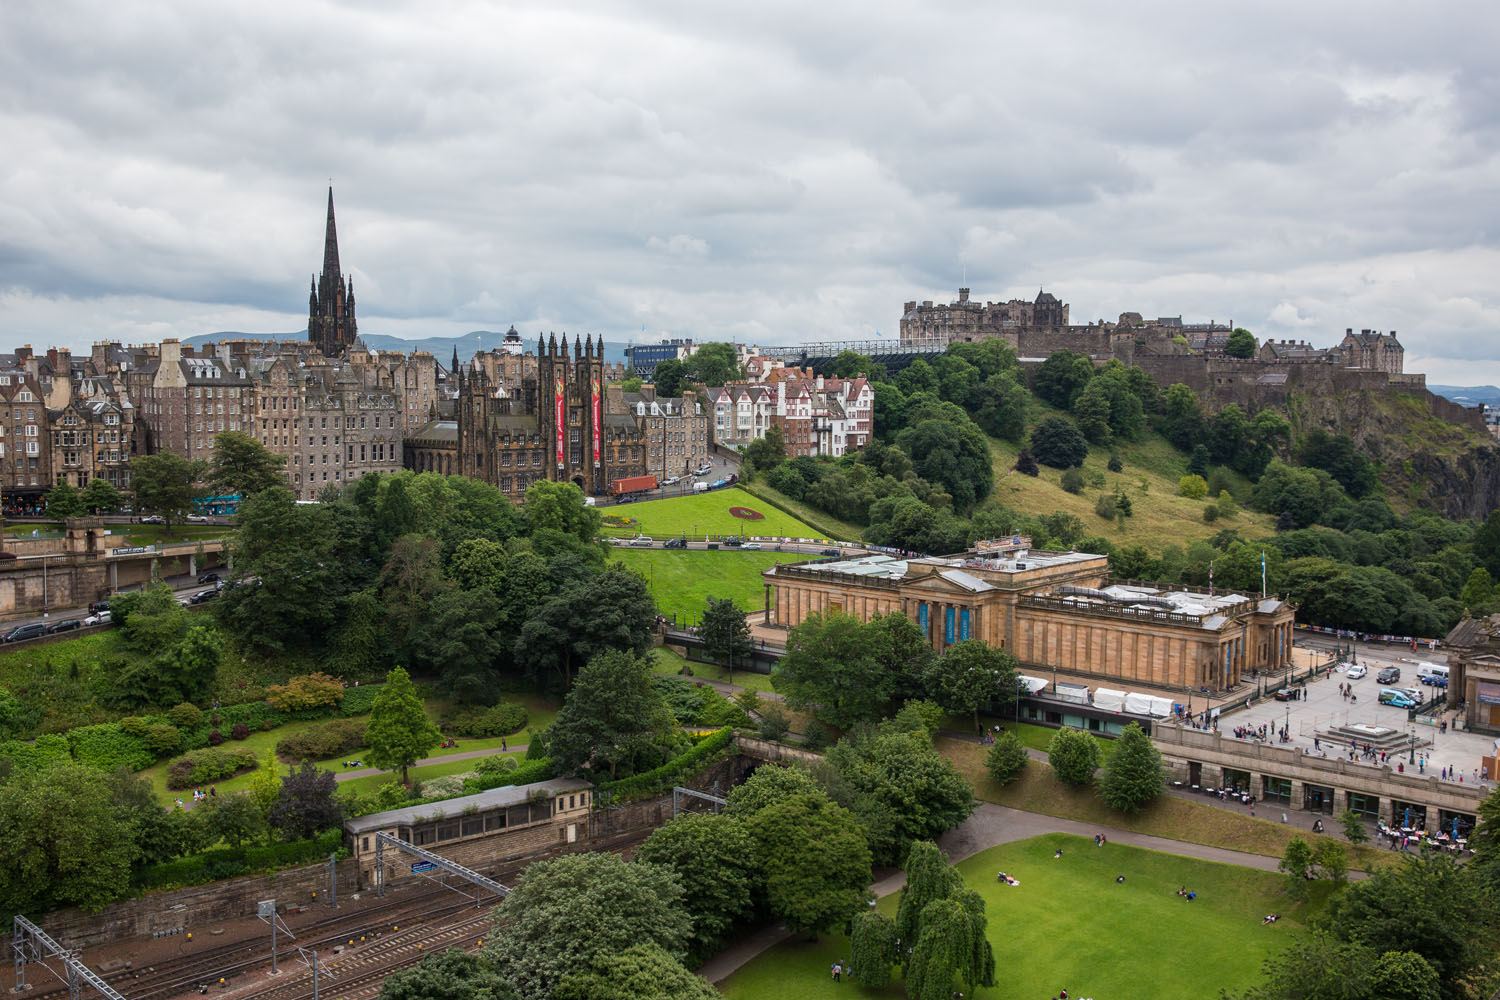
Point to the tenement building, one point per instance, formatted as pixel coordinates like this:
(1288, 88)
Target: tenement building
(676, 431)
(1051, 610)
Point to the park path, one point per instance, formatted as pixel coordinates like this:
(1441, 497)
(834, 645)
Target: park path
(349, 774)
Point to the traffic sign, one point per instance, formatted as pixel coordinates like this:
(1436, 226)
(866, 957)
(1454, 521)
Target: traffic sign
(423, 868)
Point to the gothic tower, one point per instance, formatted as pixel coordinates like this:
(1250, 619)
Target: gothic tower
(330, 307)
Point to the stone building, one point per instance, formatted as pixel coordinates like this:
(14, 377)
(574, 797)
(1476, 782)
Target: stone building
(331, 324)
(816, 415)
(432, 448)
(1473, 651)
(1372, 350)
(676, 431)
(563, 423)
(1052, 610)
(966, 320)
(25, 439)
(91, 440)
(185, 399)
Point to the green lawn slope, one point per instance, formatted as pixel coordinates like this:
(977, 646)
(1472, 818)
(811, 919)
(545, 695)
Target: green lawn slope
(682, 581)
(698, 515)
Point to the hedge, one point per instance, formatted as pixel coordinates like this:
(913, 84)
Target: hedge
(659, 779)
(228, 862)
(499, 720)
(107, 746)
(204, 766)
(527, 773)
(323, 741)
(43, 753)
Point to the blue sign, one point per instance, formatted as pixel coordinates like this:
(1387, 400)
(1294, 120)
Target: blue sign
(922, 622)
(423, 868)
(948, 626)
(963, 624)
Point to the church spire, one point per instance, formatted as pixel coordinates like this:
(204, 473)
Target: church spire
(331, 241)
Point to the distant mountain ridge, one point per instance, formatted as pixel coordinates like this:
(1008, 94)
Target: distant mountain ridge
(1468, 395)
(441, 348)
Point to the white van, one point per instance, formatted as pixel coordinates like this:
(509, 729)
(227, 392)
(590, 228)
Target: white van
(700, 487)
(1428, 672)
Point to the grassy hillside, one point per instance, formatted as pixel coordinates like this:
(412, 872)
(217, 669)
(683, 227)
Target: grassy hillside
(682, 581)
(1152, 468)
(703, 514)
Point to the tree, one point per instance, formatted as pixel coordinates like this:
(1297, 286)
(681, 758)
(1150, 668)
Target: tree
(1478, 593)
(1057, 442)
(1007, 758)
(606, 611)
(1000, 405)
(100, 496)
(177, 655)
(951, 949)
(1072, 481)
(770, 785)
(265, 785)
(1354, 827)
(410, 581)
(929, 878)
(233, 817)
(65, 843)
(243, 465)
(449, 975)
(462, 640)
(1332, 861)
(725, 633)
(614, 720)
(971, 675)
(164, 485)
(1404, 975)
(816, 863)
(1240, 344)
(63, 502)
(1133, 775)
(829, 669)
(572, 910)
(1297, 863)
(872, 950)
(287, 580)
(768, 451)
(305, 803)
(399, 732)
(1074, 756)
(714, 364)
(669, 378)
(715, 855)
(643, 972)
(1026, 463)
(951, 454)
(560, 507)
(902, 789)
(1061, 378)
(899, 648)
(1192, 486)
(1320, 966)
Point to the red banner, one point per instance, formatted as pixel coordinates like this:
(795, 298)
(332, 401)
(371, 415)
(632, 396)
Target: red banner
(598, 434)
(557, 402)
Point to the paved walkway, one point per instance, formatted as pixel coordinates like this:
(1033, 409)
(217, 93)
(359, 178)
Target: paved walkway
(349, 774)
(990, 826)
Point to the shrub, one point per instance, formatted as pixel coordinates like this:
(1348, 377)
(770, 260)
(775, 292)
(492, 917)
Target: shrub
(1226, 504)
(43, 752)
(1116, 464)
(664, 777)
(817, 736)
(185, 716)
(240, 731)
(163, 738)
(306, 692)
(134, 725)
(1194, 487)
(698, 704)
(202, 767)
(215, 737)
(524, 774)
(1210, 514)
(1074, 756)
(446, 787)
(1072, 481)
(358, 700)
(1007, 758)
(499, 720)
(1026, 463)
(1058, 442)
(1105, 506)
(774, 724)
(107, 747)
(319, 742)
(498, 764)
(228, 862)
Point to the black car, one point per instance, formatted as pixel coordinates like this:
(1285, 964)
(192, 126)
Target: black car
(1388, 675)
(734, 542)
(65, 626)
(203, 596)
(829, 552)
(208, 578)
(20, 632)
(1285, 694)
(98, 606)
(675, 543)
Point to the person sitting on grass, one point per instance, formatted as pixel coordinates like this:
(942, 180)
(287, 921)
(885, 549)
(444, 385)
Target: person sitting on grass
(1191, 896)
(1119, 880)
(1182, 890)
(1058, 854)
(1271, 918)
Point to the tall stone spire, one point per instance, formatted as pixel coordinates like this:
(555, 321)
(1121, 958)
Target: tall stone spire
(331, 241)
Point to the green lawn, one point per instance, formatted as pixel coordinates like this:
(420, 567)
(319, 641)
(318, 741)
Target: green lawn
(825, 523)
(703, 514)
(1040, 737)
(1070, 925)
(669, 664)
(682, 580)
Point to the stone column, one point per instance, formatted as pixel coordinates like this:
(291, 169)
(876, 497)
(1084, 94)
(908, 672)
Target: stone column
(1298, 793)
(114, 575)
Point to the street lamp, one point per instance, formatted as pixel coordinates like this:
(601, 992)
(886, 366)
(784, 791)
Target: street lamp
(1411, 759)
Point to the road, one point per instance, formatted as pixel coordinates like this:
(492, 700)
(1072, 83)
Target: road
(181, 585)
(722, 468)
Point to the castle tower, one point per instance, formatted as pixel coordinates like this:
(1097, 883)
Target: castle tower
(330, 309)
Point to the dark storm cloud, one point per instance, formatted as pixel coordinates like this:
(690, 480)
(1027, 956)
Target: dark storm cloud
(770, 172)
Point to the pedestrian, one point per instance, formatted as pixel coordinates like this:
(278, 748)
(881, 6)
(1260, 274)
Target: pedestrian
(503, 747)
(838, 971)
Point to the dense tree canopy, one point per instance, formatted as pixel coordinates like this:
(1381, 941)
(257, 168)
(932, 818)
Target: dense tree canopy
(613, 721)
(714, 856)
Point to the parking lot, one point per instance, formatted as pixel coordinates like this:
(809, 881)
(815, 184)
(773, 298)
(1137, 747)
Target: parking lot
(1323, 708)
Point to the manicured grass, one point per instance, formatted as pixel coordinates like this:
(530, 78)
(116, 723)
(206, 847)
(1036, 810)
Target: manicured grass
(699, 515)
(1040, 737)
(670, 664)
(1070, 925)
(682, 580)
(427, 773)
(821, 521)
(1151, 470)
(1170, 816)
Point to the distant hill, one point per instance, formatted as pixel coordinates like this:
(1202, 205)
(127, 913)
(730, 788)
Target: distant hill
(1468, 395)
(441, 347)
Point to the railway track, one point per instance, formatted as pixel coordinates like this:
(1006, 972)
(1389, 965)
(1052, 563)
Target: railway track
(384, 939)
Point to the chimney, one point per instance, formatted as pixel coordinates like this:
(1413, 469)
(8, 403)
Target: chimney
(170, 352)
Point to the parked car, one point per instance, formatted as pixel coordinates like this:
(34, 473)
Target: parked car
(1415, 694)
(642, 542)
(198, 518)
(99, 606)
(1285, 694)
(718, 483)
(675, 543)
(22, 632)
(1356, 672)
(98, 618)
(703, 470)
(209, 577)
(153, 519)
(734, 542)
(1388, 675)
(203, 596)
(829, 552)
(1397, 699)
(755, 546)
(1435, 681)
(65, 626)
(671, 481)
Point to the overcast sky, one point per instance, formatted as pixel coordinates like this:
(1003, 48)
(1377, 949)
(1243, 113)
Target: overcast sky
(771, 172)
